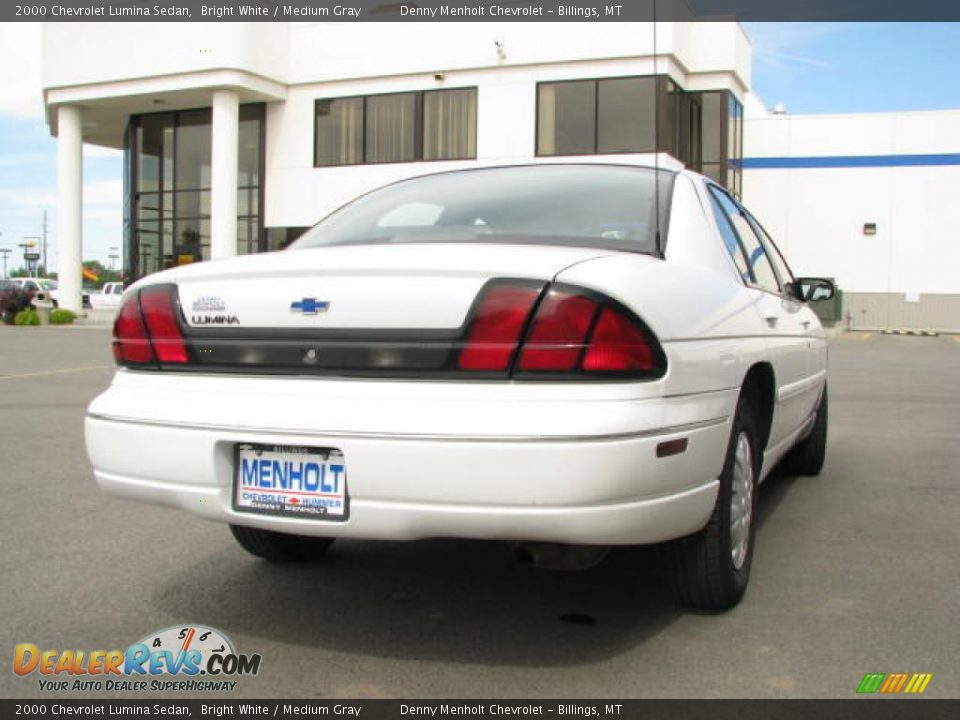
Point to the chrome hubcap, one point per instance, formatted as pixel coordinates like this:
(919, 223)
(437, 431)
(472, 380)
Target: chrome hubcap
(741, 501)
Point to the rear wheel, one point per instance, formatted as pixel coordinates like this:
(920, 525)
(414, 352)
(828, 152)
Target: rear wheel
(808, 456)
(280, 547)
(710, 570)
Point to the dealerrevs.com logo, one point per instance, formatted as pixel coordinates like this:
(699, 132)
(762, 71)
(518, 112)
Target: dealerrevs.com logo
(182, 658)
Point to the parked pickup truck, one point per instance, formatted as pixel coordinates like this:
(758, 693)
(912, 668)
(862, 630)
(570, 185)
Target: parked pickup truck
(108, 298)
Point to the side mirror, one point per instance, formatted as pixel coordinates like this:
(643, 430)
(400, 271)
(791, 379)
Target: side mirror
(814, 289)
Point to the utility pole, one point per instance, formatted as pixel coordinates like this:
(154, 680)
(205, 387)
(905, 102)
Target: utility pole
(5, 252)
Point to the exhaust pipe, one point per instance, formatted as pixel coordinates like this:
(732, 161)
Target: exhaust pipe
(555, 556)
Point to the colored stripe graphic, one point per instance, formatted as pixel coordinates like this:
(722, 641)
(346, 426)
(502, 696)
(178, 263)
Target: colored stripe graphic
(918, 683)
(847, 161)
(871, 682)
(894, 683)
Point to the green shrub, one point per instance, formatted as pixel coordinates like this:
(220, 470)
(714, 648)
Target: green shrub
(26, 317)
(61, 316)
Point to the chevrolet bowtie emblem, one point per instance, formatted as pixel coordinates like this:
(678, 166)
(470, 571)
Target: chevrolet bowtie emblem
(309, 306)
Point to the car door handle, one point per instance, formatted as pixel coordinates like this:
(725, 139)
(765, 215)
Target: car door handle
(771, 320)
(806, 324)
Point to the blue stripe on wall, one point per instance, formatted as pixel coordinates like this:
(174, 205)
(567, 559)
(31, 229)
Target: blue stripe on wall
(848, 161)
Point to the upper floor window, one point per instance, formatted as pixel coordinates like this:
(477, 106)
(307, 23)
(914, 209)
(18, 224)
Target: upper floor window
(587, 117)
(703, 130)
(396, 127)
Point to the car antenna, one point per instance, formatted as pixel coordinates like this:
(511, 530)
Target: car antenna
(656, 141)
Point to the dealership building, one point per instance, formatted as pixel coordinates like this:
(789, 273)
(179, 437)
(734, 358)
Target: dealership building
(239, 136)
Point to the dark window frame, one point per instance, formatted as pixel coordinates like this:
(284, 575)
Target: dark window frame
(418, 128)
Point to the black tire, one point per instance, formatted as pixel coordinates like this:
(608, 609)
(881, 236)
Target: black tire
(280, 547)
(808, 455)
(700, 568)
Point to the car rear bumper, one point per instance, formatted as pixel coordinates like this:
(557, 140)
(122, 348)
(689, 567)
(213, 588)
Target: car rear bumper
(432, 459)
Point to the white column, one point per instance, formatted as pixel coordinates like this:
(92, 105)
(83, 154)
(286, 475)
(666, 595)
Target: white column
(69, 206)
(223, 174)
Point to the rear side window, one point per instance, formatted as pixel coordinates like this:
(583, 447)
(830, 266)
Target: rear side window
(776, 257)
(731, 241)
(761, 269)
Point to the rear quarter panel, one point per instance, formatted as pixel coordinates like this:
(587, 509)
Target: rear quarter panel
(693, 301)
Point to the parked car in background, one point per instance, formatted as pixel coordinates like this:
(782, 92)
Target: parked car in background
(108, 297)
(556, 355)
(13, 299)
(34, 285)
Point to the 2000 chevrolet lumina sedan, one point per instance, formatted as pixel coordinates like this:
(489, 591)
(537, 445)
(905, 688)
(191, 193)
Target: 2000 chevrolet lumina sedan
(571, 354)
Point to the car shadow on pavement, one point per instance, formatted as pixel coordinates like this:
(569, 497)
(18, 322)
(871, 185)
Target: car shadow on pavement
(773, 491)
(440, 600)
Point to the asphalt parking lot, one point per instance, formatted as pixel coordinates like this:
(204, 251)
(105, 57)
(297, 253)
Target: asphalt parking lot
(856, 570)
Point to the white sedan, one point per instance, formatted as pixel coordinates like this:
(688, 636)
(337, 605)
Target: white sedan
(566, 356)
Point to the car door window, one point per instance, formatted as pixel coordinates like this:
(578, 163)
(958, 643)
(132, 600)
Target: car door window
(731, 241)
(764, 276)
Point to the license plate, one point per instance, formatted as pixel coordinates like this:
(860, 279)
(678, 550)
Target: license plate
(301, 482)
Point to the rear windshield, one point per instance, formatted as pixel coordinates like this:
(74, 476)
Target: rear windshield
(609, 207)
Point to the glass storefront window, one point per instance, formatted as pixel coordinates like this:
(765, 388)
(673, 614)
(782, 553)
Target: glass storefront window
(168, 203)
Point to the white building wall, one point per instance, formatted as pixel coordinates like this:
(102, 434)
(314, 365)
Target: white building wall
(817, 214)
(299, 194)
(171, 66)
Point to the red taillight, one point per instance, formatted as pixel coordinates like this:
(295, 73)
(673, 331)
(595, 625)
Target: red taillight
(557, 334)
(571, 332)
(494, 333)
(130, 342)
(160, 313)
(617, 345)
(147, 329)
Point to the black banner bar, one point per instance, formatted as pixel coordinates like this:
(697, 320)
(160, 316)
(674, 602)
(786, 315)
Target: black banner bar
(477, 10)
(874, 708)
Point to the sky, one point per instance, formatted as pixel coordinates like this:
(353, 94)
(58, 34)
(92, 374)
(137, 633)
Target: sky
(28, 161)
(856, 67)
(808, 67)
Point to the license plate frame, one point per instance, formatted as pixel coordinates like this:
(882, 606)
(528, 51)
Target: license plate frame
(304, 504)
